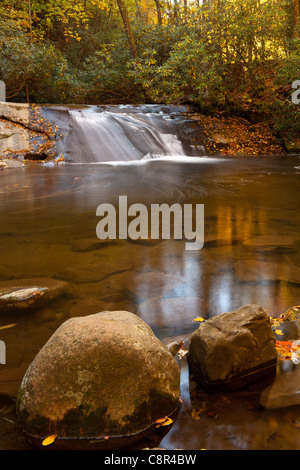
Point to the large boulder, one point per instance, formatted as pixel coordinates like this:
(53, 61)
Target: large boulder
(99, 376)
(233, 348)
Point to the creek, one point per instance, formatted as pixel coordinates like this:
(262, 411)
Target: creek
(48, 229)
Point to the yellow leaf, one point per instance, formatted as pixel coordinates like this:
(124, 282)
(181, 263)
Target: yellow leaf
(199, 319)
(11, 325)
(163, 422)
(278, 332)
(49, 440)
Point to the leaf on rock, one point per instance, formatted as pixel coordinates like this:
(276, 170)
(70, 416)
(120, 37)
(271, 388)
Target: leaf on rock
(163, 422)
(49, 440)
(278, 332)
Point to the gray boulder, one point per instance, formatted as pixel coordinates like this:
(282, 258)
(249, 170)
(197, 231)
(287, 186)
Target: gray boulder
(233, 348)
(100, 376)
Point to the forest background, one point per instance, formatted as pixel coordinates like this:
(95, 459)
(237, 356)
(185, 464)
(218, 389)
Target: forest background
(234, 57)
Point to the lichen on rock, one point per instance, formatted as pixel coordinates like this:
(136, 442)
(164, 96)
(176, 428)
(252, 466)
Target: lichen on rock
(104, 374)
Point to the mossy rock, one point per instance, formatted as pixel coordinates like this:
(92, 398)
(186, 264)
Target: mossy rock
(292, 145)
(100, 376)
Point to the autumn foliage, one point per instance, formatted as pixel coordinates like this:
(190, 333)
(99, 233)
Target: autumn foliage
(233, 56)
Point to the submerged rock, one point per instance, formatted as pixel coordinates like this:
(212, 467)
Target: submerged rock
(173, 312)
(284, 392)
(102, 375)
(233, 348)
(252, 270)
(90, 244)
(279, 243)
(23, 294)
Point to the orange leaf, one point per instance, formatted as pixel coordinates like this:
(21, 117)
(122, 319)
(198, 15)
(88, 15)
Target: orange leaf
(163, 422)
(284, 344)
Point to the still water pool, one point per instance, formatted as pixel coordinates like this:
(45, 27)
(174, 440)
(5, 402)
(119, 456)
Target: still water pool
(48, 229)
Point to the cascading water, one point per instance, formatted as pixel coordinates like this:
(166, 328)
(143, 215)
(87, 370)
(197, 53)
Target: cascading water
(110, 134)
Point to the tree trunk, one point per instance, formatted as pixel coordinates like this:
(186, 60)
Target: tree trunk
(27, 94)
(175, 10)
(158, 11)
(127, 27)
(296, 18)
(185, 8)
(30, 21)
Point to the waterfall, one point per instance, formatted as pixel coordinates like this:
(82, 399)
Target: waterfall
(111, 134)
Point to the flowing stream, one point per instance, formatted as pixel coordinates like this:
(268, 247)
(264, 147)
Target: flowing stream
(48, 229)
(126, 133)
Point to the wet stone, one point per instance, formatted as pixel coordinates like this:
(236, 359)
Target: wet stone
(233, 349)
(94, 271)
(24, 294)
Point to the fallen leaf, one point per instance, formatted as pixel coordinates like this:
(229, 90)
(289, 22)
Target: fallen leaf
(278, 332)
(49, 440)
(163, 422)
(182, 353)
(289, 350)
(196, 414)
(199, 319)
(11, 325)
